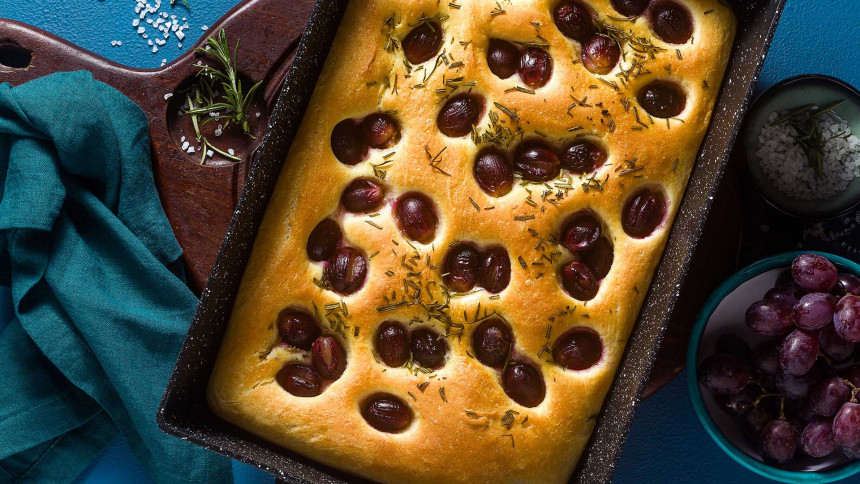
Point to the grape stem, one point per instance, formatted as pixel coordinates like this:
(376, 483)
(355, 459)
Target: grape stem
(827, 360)
(764, 395)
(854, 390)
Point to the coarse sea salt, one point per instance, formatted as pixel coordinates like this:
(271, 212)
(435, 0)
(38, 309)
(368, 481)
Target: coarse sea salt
(784, 162)
(149, 13)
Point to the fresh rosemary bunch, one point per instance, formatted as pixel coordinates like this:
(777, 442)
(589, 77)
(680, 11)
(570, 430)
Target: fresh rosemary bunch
(203, 97)
(233, 101)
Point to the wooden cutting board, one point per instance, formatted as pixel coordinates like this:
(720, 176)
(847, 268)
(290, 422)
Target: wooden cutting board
(199, 199)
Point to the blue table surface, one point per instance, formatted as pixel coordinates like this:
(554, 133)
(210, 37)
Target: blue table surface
(666, 443)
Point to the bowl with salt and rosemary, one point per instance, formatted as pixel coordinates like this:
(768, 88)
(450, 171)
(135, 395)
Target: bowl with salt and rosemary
(802, 142)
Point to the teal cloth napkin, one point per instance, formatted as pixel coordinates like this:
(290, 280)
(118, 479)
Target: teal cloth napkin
(101, 308)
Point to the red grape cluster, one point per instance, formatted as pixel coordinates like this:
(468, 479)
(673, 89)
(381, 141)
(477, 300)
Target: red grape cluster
(797, 393)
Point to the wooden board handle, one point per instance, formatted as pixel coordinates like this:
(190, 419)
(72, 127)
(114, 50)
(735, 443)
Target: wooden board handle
(198, 199)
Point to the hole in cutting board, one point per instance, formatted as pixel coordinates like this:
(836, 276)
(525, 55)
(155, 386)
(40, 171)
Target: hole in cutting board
(15, 57)
(232, 136)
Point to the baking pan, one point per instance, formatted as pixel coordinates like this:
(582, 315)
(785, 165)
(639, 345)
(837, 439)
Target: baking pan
(183, 411)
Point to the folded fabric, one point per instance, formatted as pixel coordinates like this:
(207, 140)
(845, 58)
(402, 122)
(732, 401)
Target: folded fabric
(101, 308)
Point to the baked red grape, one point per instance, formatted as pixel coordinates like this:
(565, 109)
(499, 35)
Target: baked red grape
(346, 271)
(524, 384)
(328, 358)
(671, 22)
(491, 342)
(387, 413)
(416, 216)
(828, 396)
(817, 437)
(846, 320)
(643, 213)
(814, 273)
(662, 99)
(785, 294)
(535, 161)
(299, 380)
(535, 67)
(428, 348)
(600, 54)
(847, 284)
(778, 442)
(380, 130)
(754, 422)
(578, 280)
(460, 269)
(582, 157)
(579, 348)
(347, 144)
(422, 42)
(580, 232)
(832, 345)
(362, 196)
(630, 8)
(599, 258)
(392, 344)
(770, 318)
(494, 173)
(846, 425)
(502, 58)
(298, 328)
(459, 114)
(724, 374)
(732, 344)
(494, 270)
(324, 240)
(798, 352)
(574, 20)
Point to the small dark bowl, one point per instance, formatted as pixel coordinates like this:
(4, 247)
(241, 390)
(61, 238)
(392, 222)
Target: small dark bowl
(787, 94)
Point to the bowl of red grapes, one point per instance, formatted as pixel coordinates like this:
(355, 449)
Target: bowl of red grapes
(775, 367)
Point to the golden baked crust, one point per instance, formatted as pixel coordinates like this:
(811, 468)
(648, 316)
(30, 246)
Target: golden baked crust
(463, 437)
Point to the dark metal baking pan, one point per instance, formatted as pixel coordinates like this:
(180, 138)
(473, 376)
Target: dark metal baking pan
(183, 411)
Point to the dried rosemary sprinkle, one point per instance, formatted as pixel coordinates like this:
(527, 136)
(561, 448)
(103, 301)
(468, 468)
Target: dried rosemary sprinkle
(474, 204)
(520, 89)
(540, 45)
(511, 113)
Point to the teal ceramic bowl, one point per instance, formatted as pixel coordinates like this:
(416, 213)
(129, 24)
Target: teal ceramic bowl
(723, 312)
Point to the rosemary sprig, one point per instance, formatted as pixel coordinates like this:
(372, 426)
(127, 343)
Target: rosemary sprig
(808, 130)
(235, 101)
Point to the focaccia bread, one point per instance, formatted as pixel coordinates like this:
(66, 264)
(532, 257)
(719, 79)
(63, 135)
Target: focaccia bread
(464, 230)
